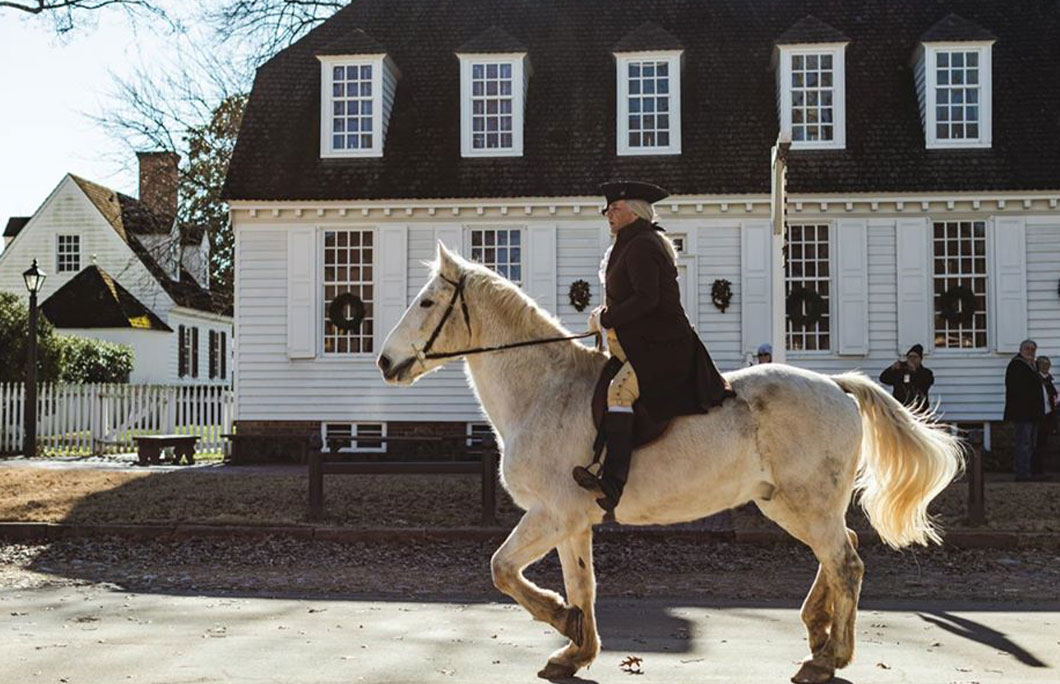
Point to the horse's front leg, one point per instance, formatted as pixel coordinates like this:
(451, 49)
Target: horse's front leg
(576, 555)
(537, 533)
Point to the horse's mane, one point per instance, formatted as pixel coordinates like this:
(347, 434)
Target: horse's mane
(518, 312)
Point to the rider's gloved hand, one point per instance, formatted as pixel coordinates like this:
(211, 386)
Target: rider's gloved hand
(594, 320)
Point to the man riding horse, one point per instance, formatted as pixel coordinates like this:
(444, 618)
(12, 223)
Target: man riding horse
(666, 369)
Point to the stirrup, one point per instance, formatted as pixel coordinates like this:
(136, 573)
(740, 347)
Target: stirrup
(587, 480)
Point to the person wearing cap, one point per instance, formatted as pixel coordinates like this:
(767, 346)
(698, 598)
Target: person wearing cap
(909, 378)
(667, 370)
(765, 353)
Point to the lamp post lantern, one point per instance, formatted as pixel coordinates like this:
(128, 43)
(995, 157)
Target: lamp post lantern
(34, 278)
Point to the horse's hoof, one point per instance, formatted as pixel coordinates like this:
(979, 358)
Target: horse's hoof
(813, 673)
(557, 671)
(574, 625)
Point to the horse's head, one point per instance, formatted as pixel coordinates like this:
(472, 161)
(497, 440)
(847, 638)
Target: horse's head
(436, 318)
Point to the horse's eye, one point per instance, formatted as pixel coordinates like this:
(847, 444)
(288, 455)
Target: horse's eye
(426, 303)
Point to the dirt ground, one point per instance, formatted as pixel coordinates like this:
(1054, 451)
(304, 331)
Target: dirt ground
(278, 496)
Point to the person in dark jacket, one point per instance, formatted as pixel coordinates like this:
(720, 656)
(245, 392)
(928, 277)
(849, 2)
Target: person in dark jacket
(667, 369)
(1047, 426)
(1024, 406)
(910, 379)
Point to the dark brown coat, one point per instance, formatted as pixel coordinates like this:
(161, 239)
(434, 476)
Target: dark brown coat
(676, 374)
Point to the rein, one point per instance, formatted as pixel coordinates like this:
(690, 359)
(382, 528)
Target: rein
(458, 293)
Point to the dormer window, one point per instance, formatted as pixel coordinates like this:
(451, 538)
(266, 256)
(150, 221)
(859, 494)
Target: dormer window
(649, 103)
(957, 94)
(492, 103)
(811, 85)
(357, 92)
(952, 68)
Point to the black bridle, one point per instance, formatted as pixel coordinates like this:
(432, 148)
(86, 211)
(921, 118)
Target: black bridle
(458, 293)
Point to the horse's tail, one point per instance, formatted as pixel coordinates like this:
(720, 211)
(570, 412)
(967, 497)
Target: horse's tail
(907, 458)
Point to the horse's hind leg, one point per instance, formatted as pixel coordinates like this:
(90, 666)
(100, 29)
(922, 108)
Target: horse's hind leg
(838, 583)
(576, 556)
(537, 533)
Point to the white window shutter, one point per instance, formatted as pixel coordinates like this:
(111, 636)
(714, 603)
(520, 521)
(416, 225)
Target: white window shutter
(451, 236)
(540, 266)
(1010, 283)
(392, 279)
(301, 287)
(852, 266)
(756, 276)
(915, 301)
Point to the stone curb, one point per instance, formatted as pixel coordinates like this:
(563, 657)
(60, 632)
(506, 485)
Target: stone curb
(36, 531)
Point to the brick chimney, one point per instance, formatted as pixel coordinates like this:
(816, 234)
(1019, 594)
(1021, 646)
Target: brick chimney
(159, 181)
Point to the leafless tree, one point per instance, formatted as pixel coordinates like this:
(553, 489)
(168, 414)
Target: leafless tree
(192, 107)
(270, 25)
(65, 14)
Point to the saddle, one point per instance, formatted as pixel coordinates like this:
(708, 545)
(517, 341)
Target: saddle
(645, 428)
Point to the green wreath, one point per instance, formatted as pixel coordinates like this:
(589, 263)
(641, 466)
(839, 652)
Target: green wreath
(957, 305)
(801, 300)
(337, 312)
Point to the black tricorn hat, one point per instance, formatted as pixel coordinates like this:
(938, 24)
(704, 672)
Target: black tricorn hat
(631, 190)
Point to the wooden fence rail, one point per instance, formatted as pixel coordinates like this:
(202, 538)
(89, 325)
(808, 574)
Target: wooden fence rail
(98, 418)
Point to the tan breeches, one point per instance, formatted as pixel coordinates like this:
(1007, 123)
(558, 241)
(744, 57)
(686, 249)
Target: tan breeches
(624, 389)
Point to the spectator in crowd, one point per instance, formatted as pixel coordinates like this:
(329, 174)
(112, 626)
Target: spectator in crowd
(1048, 424)
(1024, 406)
(765, 353)
(910, 380)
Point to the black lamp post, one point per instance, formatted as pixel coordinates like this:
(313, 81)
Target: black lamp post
(34, 278)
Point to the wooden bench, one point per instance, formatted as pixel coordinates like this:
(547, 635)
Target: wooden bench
(149, 448)
(485, 466)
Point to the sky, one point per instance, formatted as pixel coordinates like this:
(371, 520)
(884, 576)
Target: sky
(49, 86)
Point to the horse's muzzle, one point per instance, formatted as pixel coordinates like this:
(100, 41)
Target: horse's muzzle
(395, 373)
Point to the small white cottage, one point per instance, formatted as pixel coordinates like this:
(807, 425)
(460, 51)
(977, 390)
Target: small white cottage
(923, 187)
(120, 269)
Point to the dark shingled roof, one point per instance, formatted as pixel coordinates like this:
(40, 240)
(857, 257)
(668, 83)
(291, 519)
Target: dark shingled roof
(648, 36)
(355, 42)
(810, 29)
(129, 217)
(728, 97)
(93, 299)
(493, 39)
(15, 224)
(953, 27)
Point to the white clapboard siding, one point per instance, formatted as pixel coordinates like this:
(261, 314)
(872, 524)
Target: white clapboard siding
(1043, 275)
(755, 305)
(914, 283)
(96, 418)
(301, 288)
(1009, 266)
(852, 291)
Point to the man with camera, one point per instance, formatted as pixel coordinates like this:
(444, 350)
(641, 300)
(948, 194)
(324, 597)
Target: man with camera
(910, 380)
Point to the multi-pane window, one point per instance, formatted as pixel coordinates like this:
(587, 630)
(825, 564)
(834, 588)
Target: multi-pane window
(807, 273)
(812, 98)
(492, 101)
(187, 352)
(348, 266)
(960, 282)
(352, 104)
(68, 254)
(218, 354)
(350, 437)
(957, 95)
(648, 103)
(500, 249)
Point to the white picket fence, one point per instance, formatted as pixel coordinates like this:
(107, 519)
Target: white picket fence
(98, 418)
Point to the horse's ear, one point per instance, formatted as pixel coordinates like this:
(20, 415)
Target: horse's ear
(448, 265)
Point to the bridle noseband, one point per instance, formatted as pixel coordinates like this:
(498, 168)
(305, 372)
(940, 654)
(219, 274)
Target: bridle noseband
(458, 293)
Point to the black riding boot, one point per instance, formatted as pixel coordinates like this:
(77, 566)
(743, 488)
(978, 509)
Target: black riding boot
(618, 427)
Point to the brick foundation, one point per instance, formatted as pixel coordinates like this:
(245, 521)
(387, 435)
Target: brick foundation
(396, 451)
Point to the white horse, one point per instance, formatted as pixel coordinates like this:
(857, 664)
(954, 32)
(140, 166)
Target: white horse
(795, 442)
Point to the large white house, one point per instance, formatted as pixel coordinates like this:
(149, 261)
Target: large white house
(120, 269)
(923, 184)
